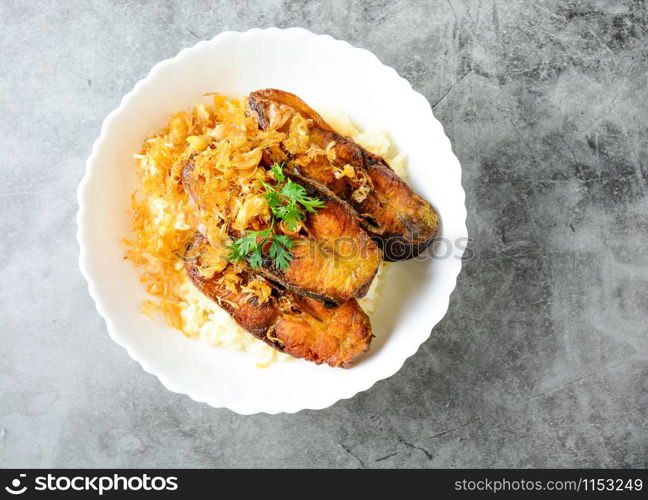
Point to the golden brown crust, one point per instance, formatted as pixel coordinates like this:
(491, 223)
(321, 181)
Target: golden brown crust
(244, 308)
(333, 335)
(291, 323)
(401, 221)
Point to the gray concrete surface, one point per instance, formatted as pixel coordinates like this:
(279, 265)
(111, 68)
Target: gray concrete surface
(541, 360)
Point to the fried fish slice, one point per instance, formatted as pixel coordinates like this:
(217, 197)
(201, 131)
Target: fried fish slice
(401, 221)
(291, 323)
(334, 259)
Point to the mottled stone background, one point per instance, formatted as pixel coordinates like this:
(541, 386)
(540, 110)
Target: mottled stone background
(542, 358)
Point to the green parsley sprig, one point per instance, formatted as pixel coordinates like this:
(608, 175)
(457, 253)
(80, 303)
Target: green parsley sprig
(250, 247)
(288, 202)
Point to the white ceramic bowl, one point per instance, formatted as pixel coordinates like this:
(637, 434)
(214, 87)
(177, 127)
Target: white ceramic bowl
(324, 72)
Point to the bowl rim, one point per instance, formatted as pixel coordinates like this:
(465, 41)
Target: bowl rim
(460, 230)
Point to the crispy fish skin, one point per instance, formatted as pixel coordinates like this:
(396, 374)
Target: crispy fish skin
(334, 261)
(338, 257)
(288, 322)
(246, 310)
(401, 221)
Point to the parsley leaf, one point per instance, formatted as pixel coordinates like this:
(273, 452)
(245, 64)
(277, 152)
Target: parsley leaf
(250, 247)
(288, 200)
(255, 259)
(280, 251)
(272, 196)
(296, 193)
(292, 217)
(278, 172)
